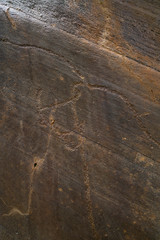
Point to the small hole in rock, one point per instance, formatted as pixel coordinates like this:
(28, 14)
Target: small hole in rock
(35, 164)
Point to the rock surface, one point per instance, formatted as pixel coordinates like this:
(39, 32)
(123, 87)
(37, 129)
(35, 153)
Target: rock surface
(79, 120)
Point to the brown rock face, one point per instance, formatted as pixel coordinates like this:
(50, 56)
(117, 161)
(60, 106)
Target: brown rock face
(79, 120)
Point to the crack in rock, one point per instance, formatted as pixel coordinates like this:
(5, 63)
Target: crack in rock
(29, 46)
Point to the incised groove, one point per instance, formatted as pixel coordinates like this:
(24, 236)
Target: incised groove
(81, 141)
(63, 134)
(77, 94)
(88, 193)
(78, 126)
(12, 22)
(57, 105)
(130, 106)
(15, 211)
(36, 168)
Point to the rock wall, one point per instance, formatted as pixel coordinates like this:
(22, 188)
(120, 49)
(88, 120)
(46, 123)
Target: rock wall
(79, 120)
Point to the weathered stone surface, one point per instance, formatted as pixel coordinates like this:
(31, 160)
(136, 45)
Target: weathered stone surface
(79, 120)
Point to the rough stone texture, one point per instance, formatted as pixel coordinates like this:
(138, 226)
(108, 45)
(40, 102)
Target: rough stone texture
(79, 120)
